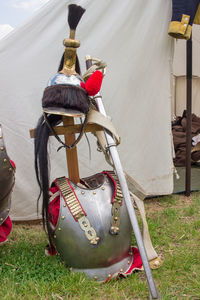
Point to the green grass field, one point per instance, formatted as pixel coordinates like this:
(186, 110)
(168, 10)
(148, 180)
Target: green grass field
(174, 223)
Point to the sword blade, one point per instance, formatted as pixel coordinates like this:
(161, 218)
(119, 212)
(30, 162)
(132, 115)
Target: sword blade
(126, 194)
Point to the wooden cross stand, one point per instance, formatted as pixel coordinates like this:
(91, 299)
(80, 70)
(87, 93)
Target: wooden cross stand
(69, 130)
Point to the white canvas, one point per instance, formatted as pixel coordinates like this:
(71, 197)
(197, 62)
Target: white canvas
(131, 36)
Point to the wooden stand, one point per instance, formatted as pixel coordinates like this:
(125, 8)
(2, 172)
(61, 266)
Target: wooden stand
(69, 131)
(72, 157)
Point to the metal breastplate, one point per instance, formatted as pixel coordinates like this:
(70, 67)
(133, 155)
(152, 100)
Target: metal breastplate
(84, 235)
(6, 181)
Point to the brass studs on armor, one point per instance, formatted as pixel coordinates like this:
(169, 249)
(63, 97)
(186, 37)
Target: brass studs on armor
(10, 169)
(128, 262)
(54, 236)
(59, 229)
(95, 277)
(2, 148)
(5, 160)
(64, 205)
(103, 188)
(114, 230)
(94, 193)
(1, 219)
(121, 270)
(63, 217)
(1, 137)
(82, 192)
(93, 242)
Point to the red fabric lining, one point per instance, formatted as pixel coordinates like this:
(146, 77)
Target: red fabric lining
(5, 229)
(93, 84)
(135, 266)
(54, 207)
(137, 262)
(115, 184)
(13, 164)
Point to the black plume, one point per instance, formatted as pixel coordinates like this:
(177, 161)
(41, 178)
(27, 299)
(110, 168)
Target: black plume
(74, 16)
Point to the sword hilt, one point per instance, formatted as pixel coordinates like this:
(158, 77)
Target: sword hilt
(88, 61)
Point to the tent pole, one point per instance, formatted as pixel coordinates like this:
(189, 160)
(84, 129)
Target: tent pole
(188, 116)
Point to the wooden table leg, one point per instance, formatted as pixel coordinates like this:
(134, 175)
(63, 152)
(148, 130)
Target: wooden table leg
(72, 157)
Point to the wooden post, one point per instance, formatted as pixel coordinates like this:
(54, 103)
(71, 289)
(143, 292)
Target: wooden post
(189, 118)
(72, 158)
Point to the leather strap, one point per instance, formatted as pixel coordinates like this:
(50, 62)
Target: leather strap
(76, 209)
(95, 117)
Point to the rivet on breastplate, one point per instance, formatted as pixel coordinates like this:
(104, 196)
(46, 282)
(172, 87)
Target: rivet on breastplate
(1, 137)
(103, 188)
(95, 277)
(94, 193)
(63, 217)
(2, 148)
(10, 169)
(115, 218)
(54, 236)
(1, 219)
(82, 192)
(121, 270)
(59, 229)
(128, 262)
(64, 205)
(5, 160)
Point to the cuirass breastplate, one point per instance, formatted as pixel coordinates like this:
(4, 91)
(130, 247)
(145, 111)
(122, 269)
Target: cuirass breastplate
(78, 251)
(6, 180)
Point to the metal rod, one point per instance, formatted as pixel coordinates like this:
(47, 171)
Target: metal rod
(188, 117)
(126, 194)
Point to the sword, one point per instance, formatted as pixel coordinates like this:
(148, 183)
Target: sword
(126, 194)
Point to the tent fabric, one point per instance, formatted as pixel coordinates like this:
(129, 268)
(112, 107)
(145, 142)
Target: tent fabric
(179, 71)
(131, 36)
(180, 95)
(179, 65)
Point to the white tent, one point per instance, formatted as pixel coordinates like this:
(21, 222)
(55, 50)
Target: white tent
(179, 67)
(131, 36)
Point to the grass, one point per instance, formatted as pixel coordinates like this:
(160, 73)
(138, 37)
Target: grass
(174, 223)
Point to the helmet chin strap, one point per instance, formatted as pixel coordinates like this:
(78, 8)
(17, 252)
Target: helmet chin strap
(64, 145)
